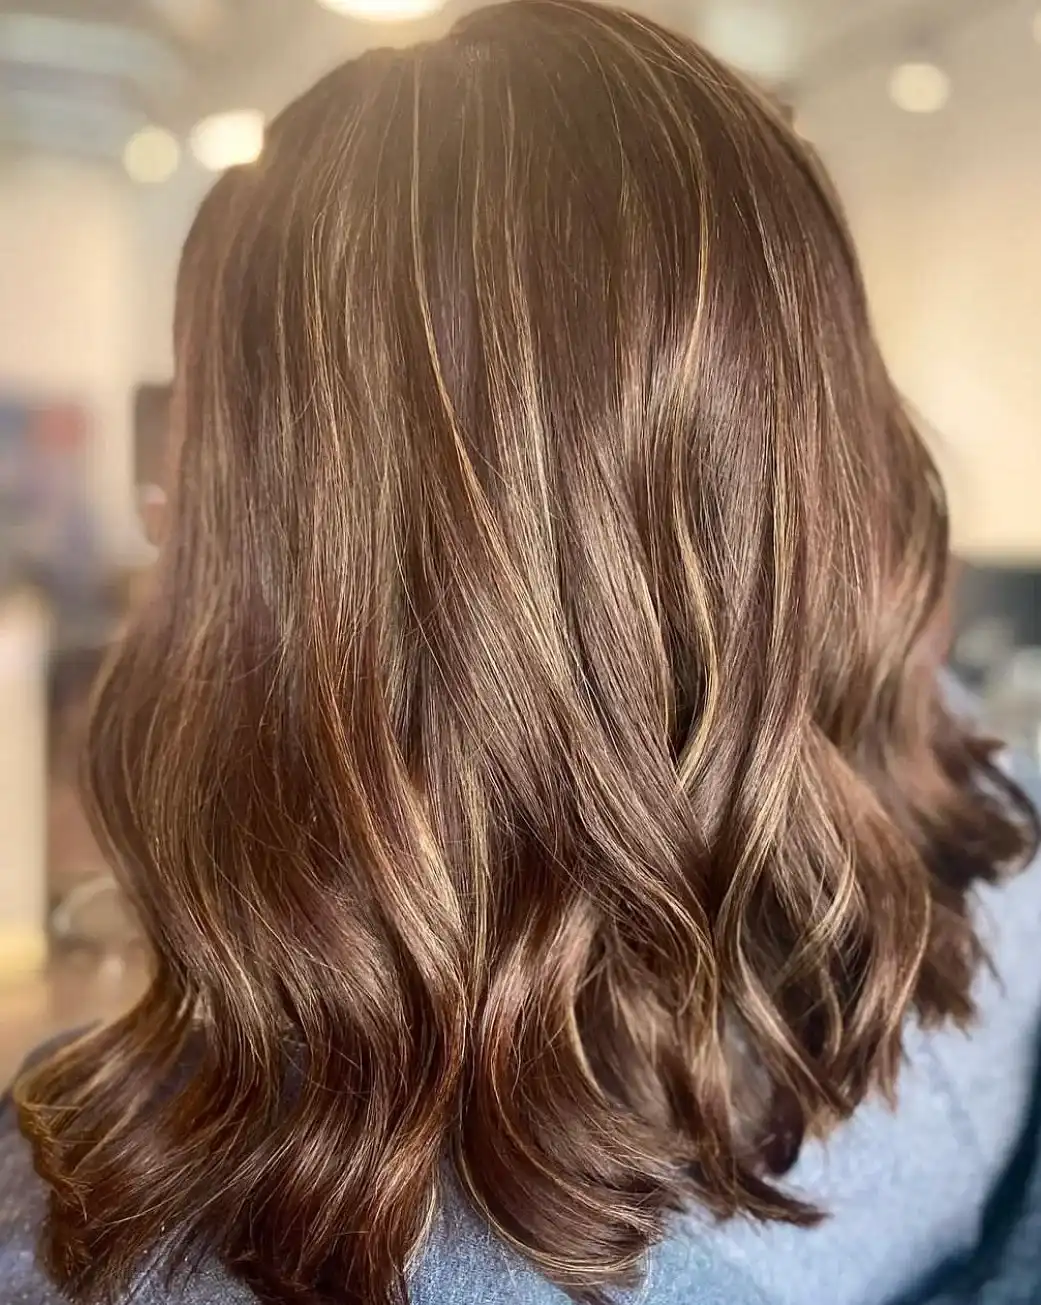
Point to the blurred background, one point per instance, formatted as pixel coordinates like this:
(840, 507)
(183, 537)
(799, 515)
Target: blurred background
(114, 117)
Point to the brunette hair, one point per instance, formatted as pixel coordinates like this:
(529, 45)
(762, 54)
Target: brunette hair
(529, 770)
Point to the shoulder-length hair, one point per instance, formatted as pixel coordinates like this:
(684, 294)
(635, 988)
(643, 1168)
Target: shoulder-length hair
(529, 769)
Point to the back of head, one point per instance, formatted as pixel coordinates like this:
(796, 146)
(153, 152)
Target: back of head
(530, 757)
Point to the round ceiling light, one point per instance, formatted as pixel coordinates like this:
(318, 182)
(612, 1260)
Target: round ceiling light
(383, 11)
(919, 87)
(228, 140)
(151, 156)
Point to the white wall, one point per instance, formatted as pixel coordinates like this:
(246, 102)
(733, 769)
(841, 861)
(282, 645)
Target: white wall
(163, 215)
(947, 210)
(66, 328)
(87, 268)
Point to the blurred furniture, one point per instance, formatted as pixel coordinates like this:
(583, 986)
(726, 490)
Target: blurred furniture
(997, 610)
(997, 648)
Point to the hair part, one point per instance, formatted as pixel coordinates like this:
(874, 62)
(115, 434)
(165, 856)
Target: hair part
(530, 756)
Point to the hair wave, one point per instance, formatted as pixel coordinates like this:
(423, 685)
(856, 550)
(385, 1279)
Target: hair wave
(529, 766)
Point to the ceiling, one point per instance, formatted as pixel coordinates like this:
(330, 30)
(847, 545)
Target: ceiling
(81, 76)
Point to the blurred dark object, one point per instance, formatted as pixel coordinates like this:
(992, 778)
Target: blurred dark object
(997, 612)
(151, 424)
(151, 443)
(996, 649)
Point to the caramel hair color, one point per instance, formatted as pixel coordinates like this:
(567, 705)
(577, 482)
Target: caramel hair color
(529, 768)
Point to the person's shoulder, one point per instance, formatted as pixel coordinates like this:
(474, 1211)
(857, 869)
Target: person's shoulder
(22, 1204)
(464, 1263)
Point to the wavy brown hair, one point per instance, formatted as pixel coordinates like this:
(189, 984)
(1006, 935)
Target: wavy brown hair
(529, 769)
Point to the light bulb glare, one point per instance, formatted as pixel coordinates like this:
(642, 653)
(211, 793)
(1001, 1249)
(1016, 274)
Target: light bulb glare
(919, 87)
(151, 156)
(383, 11)
(228, 140)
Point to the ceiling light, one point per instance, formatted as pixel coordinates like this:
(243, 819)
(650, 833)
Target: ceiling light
(919, 87)
(227, 140)
(383, 11)
(151, 156)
